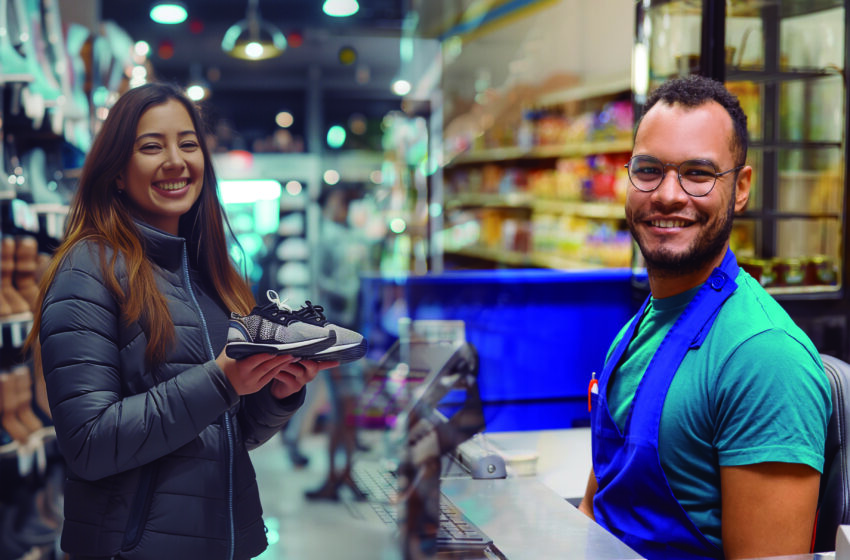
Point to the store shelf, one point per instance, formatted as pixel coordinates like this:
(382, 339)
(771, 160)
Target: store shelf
(34, 446)
(787, 8)
(555, 189)
(524, 260)
(549, 260)
(786, 63)
(490, 200)
(605, 86)
(734, 74)
(600, 210)
(15, 329)
(543, 152)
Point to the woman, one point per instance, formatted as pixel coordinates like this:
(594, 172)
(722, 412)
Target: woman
(153, 419)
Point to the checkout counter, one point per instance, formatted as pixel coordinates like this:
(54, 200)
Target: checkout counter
(531, 513)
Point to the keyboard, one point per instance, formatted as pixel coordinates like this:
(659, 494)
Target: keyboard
(456, 532)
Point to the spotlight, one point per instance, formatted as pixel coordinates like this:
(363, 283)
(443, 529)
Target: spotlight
(169, 13)
(252, 38)
(340, 8)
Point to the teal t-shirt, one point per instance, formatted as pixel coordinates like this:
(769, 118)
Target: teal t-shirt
(754, 391)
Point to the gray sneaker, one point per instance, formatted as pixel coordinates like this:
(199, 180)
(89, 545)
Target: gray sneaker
(349, 346)
(275, 329)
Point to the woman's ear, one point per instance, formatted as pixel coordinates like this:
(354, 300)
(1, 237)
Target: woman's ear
(120, 182)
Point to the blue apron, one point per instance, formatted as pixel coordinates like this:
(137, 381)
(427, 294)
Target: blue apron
(634, 500)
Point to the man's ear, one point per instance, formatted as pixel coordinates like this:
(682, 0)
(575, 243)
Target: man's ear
(742, 188)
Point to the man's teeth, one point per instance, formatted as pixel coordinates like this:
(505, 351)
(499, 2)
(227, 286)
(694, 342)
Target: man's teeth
(171, 186)
(668, 223)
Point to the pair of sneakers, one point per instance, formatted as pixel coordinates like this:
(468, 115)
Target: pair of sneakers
(276, 328)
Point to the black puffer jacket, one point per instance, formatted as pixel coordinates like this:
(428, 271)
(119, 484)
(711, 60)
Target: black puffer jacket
(158, 464)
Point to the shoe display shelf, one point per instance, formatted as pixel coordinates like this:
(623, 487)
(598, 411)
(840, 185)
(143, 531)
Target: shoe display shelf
(291, 269)
(547, 191)
(57, 78)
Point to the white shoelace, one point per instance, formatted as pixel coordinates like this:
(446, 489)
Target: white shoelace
(275, 299)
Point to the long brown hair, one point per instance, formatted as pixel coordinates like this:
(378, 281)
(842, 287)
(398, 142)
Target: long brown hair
(100, 214)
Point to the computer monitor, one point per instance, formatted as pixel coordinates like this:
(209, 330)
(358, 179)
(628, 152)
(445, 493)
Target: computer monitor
(430, 360)
(450, 364)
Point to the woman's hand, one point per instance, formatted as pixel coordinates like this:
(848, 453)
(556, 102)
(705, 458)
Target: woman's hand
(293, 376)
(250, 374)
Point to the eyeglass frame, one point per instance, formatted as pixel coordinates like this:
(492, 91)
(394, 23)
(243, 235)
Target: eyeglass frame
(678, 167)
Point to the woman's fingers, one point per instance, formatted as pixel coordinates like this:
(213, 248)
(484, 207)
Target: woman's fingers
(252, 373)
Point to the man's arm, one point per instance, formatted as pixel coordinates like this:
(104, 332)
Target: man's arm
(586, 505)
(768, 509)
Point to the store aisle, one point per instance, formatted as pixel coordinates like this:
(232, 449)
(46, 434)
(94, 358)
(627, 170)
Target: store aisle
(300, 529)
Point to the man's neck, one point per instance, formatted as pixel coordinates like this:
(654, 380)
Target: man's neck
(666, 284)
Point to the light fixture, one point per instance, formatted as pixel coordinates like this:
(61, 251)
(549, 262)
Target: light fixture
(340, 8)
(252, 38)
(336, 136)
(248, 190)
(401, 87)
(168, 13)
(198, 88)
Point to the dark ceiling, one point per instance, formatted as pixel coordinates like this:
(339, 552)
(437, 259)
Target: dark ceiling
(305, 79)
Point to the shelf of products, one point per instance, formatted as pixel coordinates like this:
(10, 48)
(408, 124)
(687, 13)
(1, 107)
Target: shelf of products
(785, 61)
(53, 95)
(547, 193)
(292, 249)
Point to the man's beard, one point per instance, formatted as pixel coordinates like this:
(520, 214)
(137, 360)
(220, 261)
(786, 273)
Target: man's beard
(708, 245)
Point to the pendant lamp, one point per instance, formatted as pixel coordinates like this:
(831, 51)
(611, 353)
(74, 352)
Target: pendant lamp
(252, 38)
(340, 8)
(169, 13)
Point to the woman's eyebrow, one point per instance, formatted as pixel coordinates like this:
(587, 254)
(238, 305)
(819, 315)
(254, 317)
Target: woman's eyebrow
(189, 132)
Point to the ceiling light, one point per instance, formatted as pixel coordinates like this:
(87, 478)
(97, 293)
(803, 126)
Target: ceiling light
(197, 92)
(336, 136)
(401, 87)
(284, 119)
(198, 88)
(340, 8)
(169, 13)
(252, 38)
(248, 190)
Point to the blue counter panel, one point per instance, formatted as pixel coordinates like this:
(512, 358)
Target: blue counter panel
(539, 333)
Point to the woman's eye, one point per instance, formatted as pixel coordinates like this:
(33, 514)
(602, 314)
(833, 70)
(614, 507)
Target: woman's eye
(149, 148)
(189, 145)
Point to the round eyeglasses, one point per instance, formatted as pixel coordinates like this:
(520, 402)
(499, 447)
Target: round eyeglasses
(696, 176)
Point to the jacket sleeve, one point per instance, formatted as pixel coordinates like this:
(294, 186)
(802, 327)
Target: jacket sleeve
(262, 416)
(101, 428)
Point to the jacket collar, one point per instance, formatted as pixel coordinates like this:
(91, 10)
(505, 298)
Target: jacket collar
(163, 249)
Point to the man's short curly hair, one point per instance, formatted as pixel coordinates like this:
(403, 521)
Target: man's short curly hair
(693, 91)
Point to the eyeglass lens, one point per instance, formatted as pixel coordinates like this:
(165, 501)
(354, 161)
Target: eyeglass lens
(696, 177)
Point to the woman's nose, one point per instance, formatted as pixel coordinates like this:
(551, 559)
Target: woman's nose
(173, 157)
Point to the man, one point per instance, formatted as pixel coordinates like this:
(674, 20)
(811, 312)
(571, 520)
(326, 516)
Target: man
(709, 419)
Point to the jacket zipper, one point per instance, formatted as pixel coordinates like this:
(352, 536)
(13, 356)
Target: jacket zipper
(228, 427)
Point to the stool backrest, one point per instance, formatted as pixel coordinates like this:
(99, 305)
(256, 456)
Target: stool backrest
(834, 498)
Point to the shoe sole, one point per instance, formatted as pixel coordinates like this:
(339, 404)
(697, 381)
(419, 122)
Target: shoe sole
(303, 349)
(343, 354)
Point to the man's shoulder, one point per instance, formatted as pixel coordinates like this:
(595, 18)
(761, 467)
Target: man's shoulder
(753, 319)
(751, 309)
